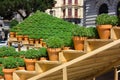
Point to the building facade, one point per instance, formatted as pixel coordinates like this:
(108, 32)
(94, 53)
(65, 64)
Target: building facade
(70, 10)
(92, 8)
(84, 12)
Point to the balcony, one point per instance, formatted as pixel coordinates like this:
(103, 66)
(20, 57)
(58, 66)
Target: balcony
(70, 17)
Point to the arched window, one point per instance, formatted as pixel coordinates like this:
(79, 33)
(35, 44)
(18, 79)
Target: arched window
(118, 9)
(103, 9)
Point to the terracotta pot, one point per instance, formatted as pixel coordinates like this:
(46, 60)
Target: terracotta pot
(41, 41)
(79, 42)
(53, 53)
(104, 31)
(8, 74)
(25, 38)
(36, 41)
(12, 34)
(66, 48)
(31, 41)
(19, 37)
(30, 64)
(43, 58)
(44, 44)
(1, 77)
(21, 68)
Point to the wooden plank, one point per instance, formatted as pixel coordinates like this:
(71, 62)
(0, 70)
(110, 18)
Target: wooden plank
(15, 76)
(117, 62)
(23, 74)
(12, 39)
(42, 66)
(65, 74)
(54, 76)
(93, 66)
(69, 55)
(93, 44)
(105, 58)
(115, 33)
(83, 57)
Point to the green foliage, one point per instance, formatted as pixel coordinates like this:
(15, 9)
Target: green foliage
(54, 42)
(114, 20)
(32, 54)
(20, 62)
(8, 51)
(42, 25)
(1, 72)
(68, 42)
(22, 53)
(1, 60)
(93, 33)
(9, 7)
(81, 31)
(13, 23)
(9, 63)
(43, 52)
(106, 19)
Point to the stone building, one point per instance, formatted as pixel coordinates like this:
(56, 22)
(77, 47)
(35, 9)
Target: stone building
(84, 11)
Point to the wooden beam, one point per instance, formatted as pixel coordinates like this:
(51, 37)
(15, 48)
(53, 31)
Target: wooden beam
(94, 78)
(19, 47)
(15, 76)
(115, 33)
(83, 57)
(115, 74)
(65, 73)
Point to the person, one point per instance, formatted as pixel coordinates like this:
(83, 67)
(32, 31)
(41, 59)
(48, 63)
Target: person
(3, 34)
(0, 32)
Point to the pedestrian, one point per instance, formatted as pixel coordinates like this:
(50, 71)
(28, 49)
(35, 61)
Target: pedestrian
(0, 32)
(3, 34)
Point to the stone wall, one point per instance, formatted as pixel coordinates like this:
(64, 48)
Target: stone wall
(91, 9)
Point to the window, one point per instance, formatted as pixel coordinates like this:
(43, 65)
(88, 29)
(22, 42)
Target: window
(69, 12)
(69, 1)
(76, 1)
(63, 13)
(64, 2)
(76, 13)
(103, 9)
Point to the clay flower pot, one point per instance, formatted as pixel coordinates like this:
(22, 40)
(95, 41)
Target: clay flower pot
(53, 53)
(12, 34)
(8, 74)
(79, 42)
(104, 31)
(30, 64)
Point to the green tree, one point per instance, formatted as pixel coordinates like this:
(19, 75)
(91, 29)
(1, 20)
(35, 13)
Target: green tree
(9, 7)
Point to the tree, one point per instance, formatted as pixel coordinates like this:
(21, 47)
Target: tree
(9, 7)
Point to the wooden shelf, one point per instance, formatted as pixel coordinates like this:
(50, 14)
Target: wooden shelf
(23, 74)
(92, 44)
(67, 55)
(42, 66)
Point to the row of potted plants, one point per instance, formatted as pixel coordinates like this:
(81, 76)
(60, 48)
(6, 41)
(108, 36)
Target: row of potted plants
(10, 61)
(37, 26)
